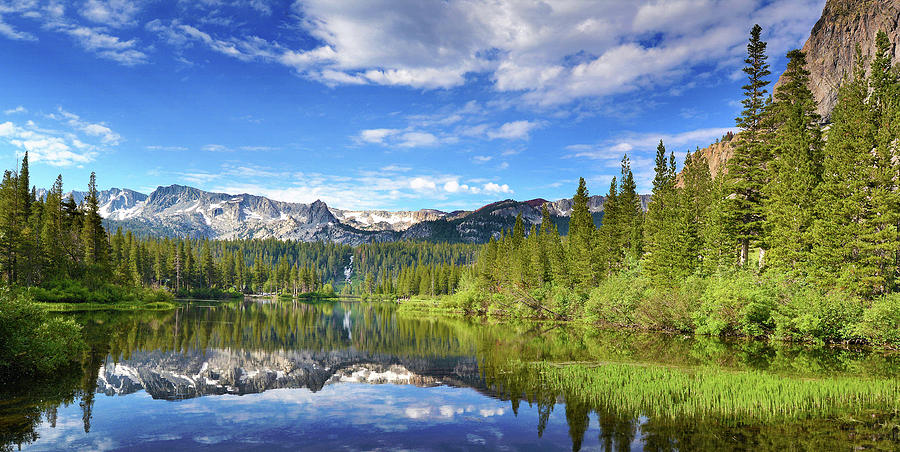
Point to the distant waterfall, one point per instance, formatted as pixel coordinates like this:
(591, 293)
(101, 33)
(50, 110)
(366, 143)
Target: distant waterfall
(348, 270)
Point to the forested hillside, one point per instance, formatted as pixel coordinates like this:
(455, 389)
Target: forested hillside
(798, 237)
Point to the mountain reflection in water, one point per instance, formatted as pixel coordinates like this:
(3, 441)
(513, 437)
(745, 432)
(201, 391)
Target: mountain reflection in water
(363, 376)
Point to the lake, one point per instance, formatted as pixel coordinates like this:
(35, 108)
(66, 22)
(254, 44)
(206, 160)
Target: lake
(367, 376)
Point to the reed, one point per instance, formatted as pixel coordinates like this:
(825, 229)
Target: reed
(707, 392)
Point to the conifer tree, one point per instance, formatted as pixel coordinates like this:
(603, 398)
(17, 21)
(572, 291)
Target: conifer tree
(93, 237)
(631, 213)
(608, 252)
(747, 167)
(658, 233)
(581, 234)
(843, 211)
(795, 169)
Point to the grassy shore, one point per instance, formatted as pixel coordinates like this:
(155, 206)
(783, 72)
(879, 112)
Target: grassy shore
(711, 392)
(76, 307)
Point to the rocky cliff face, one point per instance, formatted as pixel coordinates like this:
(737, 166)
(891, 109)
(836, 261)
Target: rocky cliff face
(831, 55)
(383, 220)
(831, 47)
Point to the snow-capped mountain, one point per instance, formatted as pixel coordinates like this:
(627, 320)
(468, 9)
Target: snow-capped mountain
(178, 210)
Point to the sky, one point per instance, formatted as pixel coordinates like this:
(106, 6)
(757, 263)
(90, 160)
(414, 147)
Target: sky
(378, 104)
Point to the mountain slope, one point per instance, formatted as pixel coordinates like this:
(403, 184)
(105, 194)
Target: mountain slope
(177, 210)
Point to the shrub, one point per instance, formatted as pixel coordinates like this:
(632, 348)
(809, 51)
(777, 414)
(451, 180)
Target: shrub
(881, 321)
(735, 303)
(671, 308)
(615, 300)
(807, 314)
(33, 342)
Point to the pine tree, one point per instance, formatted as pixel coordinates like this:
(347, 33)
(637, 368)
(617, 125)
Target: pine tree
(843, 211)
(795, 170)
(631, 213)
(52, 236)
(658, 231)
(608, 253)
(747, 167)
(93, 237)
(691, 216)
(581, 235)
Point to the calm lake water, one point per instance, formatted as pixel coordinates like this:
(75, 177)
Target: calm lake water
(363, 376)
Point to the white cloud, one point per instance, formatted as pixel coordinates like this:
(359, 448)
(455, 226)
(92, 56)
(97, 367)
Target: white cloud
(166, 148)
(215, 148)
(422, 183)
(376, 135)
(107, 46)
(547, 53)
(43, 147)
(18, 109)
(491, 187)
(417, 139)
(614, 149)
(114, 13)
(482, 158)
(11, 33)
(106, 135)
(516, 130)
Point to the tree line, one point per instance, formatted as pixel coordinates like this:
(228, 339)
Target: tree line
(804, 220)
(63, 251)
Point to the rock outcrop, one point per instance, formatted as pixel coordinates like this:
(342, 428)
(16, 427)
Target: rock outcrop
(831, 47)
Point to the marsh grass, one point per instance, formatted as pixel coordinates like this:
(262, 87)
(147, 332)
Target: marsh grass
(707, 392)
(78, 307)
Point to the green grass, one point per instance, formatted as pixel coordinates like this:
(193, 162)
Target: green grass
(427, 305)
(708, 392)
(76, 307)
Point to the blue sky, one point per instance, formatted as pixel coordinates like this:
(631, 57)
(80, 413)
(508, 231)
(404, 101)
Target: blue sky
(383, 104)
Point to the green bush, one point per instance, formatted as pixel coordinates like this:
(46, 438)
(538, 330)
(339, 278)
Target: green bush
(209, 293)
(736, 303)
(808, 315)
(881, 321)
(31, 341)
(73, 291)
(673, 308)
(616, 299)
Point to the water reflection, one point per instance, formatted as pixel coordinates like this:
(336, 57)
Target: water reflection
(365, 376)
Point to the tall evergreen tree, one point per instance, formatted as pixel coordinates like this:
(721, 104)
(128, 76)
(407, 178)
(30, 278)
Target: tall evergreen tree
(631, 213)
(747, 167)
(658, 226)
(581, 235)
(843, 211)
(795, 170)
(93, 236)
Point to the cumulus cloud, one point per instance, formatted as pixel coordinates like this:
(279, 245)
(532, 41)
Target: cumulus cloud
(552, 53)
(71, 141)
(491, 187)
(387, 188)
(417, 139)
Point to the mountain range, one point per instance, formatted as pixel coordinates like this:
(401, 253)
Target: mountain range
(182, 211)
